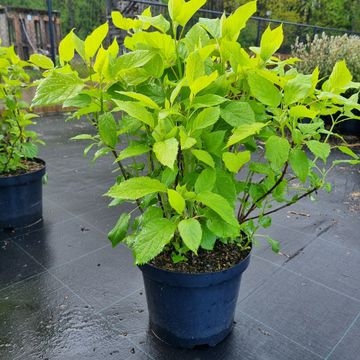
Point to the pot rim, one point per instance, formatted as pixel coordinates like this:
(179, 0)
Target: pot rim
(23, 178)
(241, 263)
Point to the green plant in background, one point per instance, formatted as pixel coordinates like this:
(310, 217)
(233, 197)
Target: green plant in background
(210, 140)
(324, 51)
(17, 142)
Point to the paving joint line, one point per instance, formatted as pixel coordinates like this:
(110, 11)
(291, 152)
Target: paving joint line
(343, 336)
(285, 336)
(309, 279)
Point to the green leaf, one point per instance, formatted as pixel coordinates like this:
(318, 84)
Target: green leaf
(82, 137)
(212, 26)
(235, 161)
(340, 76)
(41, 61)
(213, 142)
(319, 149)
(94, 40)
(233, 24)
(275, 245)
(136, 188)
(158, 22)
(202, 82)
(107, 129)
(271, 41)
(206, 118)
(56, 88)
(186, 141)
(299, 163)
(166, 151)
(191, 233)
(145, 100)
(220, 227)
(277, 151)
(182, 11)
(348, 151)
(264, 90)
(176, 201)
(67, 48)
(205, 181)
(297, 89)
(135, 110)
(238, 113)
(218, 204)
(118, 233)
(29, 150)
(243, 132)
(208, 100)
(208, 239)
(152, 238)
(301, 111)
(134, 149)
(204, 156)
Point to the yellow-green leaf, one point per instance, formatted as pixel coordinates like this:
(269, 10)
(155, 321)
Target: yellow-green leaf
(204, 156)
(136, 188)
(176, 201)
(235, 161)
(166, 151)
(271, 41)
(41, 61)
(95, 39)
(191, 233)
(244, 131)
(67, 48)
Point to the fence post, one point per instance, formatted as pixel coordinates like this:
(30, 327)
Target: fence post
(51, 31)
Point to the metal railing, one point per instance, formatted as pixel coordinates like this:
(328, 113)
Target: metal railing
(251, 35)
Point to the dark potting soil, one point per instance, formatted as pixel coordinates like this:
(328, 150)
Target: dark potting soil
(224, 256)
(29, 167)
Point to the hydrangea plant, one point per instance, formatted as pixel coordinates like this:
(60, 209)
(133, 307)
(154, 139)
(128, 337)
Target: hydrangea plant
(17, 142)
(219, 137)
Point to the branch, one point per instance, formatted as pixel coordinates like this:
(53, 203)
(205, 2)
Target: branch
(262, 197)
(283, 206)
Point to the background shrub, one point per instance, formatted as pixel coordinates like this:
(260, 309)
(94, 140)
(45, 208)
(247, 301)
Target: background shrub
(324, 51)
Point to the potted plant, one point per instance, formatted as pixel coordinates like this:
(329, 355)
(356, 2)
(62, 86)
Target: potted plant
(209, 141)
(21, 172)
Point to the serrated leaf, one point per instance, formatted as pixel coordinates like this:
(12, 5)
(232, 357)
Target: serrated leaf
(206, 118)
(136, 188)
(205, 181)
(56, 88)
(235, 161)
(208, 239)
(107, 129)
(145, 100)
(271, 41)
(134, 149)
(218, 204)
(277, 151)
(152, 239)
(204, 156)
(119, 232)
(264, 90)
(243, 132)
(319, 149)
(166, 151)
(238, 113)
(299, 163)
(94, 40)
(297, 89)
(82, 137)
(191, 233)
(208, 100)
(176, 201)
(340, 75)
(182, 11)
(67, 48)
(135, 110)
(348, 151)
(41, 61)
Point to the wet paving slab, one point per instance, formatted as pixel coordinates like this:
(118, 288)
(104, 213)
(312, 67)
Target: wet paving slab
(65, 294)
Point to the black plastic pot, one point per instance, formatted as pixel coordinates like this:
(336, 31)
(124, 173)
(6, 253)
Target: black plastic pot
(21, 199)
(188, 310)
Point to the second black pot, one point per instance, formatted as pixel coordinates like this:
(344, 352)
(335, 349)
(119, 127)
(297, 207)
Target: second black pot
(21, 199)
(188, 310)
